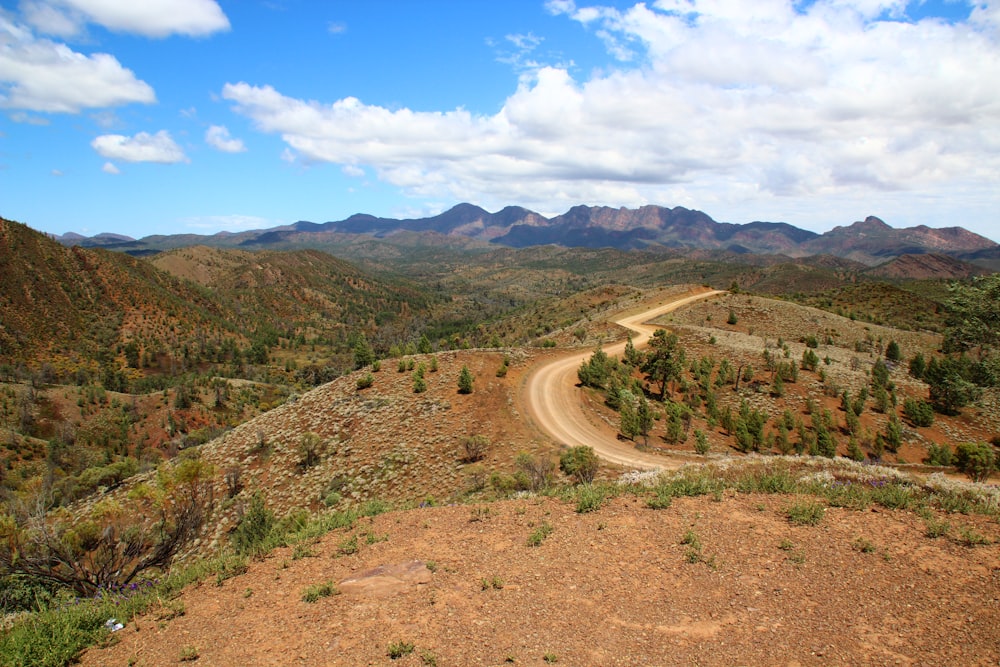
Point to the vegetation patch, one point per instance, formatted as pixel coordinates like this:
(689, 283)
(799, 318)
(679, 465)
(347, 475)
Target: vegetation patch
(538, 535)
(315, 592)
(805, 513)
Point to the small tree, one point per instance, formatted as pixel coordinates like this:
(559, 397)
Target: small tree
(919, 413)
(629, 423)
(854, 451)
(111, 545)
(975, 459)
(255, 526)
(778, 386)
(949, 389)
(580, 463)
(810, 360)
(892, 352)
(701, 444)
(465, 380)
(632, 356)
(643, 419)
(364, 355)
(537, 470)
(893, 433)
(365, 381)
(880, 374)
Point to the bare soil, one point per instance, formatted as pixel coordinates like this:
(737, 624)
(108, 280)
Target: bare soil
(612, 587)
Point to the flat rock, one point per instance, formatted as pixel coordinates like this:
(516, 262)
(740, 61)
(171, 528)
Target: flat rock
(386, 580)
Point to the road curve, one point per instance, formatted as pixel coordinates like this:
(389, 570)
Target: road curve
(553, 399)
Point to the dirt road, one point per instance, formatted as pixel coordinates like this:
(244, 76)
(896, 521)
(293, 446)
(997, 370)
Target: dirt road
(553, 399)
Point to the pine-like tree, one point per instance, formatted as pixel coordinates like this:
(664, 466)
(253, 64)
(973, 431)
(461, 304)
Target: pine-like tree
(465, 380)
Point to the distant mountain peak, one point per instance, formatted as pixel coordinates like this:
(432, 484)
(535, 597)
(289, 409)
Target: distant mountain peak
(870, 224)
(870, 241)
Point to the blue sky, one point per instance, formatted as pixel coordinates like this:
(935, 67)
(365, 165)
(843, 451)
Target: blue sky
(177, 116)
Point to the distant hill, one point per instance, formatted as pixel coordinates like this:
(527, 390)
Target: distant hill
(84, 305)
(78, 301)
(928, 266)
(870, 241)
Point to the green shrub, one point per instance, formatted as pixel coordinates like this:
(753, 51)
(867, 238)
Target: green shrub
(701, 444)
(374, 507)
(348, 546)
(365, 381)
(316, 591)
(975, 459)
(492, 583)
(580, 463)
(766, 481)
(935, 528)
(399, 649)
(806, 513)
(864, 546)
(253, 532)
(896, 496)
(938, 455)
(465, 380)
(661, 500)
(589, 498)
(539, 534)
(969, 537)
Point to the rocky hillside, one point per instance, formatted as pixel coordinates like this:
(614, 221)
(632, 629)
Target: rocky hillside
(73, 301)
(870, 241)
(80, 308)
(739, 577)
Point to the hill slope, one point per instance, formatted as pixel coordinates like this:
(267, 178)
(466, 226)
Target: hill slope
(711, 582)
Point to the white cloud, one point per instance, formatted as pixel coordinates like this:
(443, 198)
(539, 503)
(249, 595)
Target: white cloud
(336, 28)
(49, 19)
(143, 147)
(768, 106)
(217, 136)
(41, 75)
(151, 18)
(110, 168)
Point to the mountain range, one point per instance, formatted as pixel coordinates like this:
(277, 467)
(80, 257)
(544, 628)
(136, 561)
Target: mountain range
(870, 241)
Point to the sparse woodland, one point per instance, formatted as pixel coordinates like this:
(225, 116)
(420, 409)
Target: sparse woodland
(214, 404)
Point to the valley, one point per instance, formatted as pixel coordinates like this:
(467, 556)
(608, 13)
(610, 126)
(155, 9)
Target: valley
(310, 402)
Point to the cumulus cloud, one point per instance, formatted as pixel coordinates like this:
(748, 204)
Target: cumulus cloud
(151, 18)
(110, 168)
(41, 75)
(771, 103)
(142, 147)
(217, 136)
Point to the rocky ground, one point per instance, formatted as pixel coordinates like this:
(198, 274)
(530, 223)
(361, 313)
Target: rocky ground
(704, 582)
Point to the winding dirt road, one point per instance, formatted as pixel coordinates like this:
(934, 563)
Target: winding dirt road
(552, 397)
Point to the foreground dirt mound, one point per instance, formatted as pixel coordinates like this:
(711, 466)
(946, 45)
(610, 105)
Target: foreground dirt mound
(706, 581)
